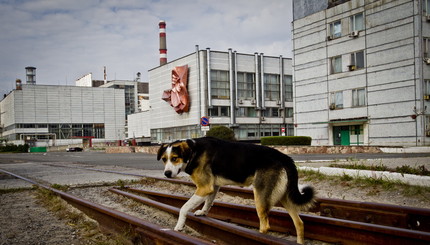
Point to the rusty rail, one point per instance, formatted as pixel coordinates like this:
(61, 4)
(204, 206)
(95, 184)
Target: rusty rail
(316, 227)
(374, 213)
(116, 221)
(217, 230)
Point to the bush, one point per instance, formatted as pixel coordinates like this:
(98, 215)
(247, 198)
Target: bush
(286, 140)
(14, 148)
(221, 132)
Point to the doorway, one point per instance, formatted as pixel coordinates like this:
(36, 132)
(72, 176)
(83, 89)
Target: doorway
(341, 135)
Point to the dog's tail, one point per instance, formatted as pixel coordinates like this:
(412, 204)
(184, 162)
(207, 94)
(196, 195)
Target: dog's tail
(302, 197)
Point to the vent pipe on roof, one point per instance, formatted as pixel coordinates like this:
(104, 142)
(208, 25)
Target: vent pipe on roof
(30, 73)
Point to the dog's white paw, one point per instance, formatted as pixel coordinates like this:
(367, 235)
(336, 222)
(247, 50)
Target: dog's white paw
(200, 213)
(179, 227)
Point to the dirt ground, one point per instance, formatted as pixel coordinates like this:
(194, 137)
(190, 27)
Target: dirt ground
(24, 221)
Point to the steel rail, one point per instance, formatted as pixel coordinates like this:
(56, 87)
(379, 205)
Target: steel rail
(222, 232)
(115, 221)
(374, 213)
(316, 227)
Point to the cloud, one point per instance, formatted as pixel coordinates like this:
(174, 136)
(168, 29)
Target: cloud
(67, 39)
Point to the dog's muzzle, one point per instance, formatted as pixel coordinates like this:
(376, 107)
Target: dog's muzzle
(169, 173)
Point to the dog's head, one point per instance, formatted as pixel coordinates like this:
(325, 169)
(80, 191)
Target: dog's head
(175, 156)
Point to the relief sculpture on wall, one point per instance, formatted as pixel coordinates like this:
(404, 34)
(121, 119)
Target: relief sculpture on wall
(178, 96)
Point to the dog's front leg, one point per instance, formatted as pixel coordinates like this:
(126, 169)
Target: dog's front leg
(208, 203)
(191, 204)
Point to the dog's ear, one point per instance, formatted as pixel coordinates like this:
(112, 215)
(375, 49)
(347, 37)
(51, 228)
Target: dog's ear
(187, 149)
(192, 163)
(161, 150)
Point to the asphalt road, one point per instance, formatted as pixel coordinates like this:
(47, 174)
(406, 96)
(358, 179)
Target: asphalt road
(149, 161)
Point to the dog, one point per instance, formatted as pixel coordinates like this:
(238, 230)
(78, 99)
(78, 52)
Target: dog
(212, 163)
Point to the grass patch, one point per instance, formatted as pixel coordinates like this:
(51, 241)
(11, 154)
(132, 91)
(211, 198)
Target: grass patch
(374, 185)
(88, 228)
(60, 187)
(405, 169)
(14, 190)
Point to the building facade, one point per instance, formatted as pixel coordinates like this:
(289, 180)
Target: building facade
(136, 93)
(49, 115)
(362, 72)
(250, 93)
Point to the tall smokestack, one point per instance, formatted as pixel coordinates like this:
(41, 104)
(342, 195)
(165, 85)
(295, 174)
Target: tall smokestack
(163, 45)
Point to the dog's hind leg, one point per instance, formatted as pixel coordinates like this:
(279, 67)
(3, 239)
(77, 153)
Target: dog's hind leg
(263, 209)
(208, 203)
(293, 211)
(269, 188)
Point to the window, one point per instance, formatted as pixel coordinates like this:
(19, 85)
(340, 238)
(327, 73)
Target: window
(271, 112)
(289, 112)
(335, 29)
(220, 85)
(357, 61)
(246, 131)
(271, 87)
(357, 22)
(426, 47)
(427, 125)
(426, 7)
(336, 64)
(219, 111)
(336, 100)
(246, 112)
(288, 87)
(426, 87)
(246, 85)
(359, 97)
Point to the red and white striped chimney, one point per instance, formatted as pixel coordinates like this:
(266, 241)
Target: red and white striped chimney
(163, 44)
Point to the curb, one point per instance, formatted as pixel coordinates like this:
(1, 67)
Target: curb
(409, 179)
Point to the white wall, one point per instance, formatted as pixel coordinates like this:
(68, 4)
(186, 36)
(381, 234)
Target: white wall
(392, 75)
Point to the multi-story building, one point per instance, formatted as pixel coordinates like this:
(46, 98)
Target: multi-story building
(250, 93)
(361, 71)
(135, 92)
(60, 115)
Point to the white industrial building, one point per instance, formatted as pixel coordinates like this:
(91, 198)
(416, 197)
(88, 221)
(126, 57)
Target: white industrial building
(47, 115)
(361, 71)
(250, 93)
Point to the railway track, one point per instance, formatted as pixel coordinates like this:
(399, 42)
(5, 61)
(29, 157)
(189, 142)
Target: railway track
(340, 221)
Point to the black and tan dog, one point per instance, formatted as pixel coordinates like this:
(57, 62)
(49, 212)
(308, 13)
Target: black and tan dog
(212, 163)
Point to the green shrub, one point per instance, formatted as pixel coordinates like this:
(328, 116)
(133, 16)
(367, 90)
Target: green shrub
(221, 132)
(286, 140)
(14, 148)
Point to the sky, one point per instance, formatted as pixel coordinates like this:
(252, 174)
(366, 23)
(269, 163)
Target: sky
(67, 39)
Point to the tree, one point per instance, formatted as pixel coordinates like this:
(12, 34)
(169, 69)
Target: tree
(221, 132)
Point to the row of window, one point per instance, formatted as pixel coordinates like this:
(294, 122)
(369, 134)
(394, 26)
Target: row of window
(67, 130)
(243, 132)
(224, 111)
(220, 86)
(358, 98)
(356, 62)
(356, 23)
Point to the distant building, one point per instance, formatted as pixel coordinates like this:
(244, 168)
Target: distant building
(60, 115)
(362, 72)
(135, 92)
(250, 93)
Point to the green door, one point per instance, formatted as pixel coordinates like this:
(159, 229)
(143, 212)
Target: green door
(341, 135)
(344, 137)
